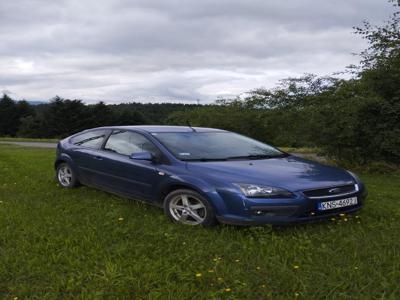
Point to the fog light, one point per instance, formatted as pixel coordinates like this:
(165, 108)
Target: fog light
(258, 212)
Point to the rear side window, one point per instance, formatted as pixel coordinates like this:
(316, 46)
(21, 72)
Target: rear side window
(92, 139)
(128, 142)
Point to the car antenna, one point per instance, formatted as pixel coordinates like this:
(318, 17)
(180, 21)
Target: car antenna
(190, 126)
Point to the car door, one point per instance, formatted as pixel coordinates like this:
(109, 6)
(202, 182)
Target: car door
(117, 171)
(84, 153)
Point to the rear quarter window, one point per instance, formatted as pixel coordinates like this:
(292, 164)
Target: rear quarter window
(91, 139)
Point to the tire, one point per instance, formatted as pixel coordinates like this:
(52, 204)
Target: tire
(190, 208)
(66, 177)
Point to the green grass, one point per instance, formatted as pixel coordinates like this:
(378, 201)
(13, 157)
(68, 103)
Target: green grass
(57, 243)
(302, 150)
(14, 139)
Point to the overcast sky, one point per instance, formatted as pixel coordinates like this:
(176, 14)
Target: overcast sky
(146, 50)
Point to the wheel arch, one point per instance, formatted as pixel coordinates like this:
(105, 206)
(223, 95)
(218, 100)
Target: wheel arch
(167, 189)
(63, 158)
(58, 162)
(194, 184)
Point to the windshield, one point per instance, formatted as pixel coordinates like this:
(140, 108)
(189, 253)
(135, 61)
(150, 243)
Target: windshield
(215, 146)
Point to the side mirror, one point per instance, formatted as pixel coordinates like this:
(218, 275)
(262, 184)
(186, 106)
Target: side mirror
(142, 156)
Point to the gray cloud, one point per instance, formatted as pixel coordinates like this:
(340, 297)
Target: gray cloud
(162, 50)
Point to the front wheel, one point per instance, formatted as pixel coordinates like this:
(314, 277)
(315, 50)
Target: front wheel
(66, 176)
(190, 208)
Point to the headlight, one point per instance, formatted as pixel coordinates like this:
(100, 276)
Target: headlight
(262, 191)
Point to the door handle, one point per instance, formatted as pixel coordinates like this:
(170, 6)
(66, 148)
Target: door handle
(98, 157)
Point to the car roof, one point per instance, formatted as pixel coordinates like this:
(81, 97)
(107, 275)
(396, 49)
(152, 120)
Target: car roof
(161, 128)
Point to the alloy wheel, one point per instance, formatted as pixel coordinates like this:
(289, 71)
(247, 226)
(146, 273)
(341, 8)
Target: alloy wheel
(65, 175)
(187, 209)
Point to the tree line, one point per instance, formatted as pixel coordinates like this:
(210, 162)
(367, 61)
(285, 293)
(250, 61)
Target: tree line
(357, 119)
(62, 117)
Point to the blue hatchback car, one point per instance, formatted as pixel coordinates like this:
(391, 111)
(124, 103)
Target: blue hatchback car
(202, 176)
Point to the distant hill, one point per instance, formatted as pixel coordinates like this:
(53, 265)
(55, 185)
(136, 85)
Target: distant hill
(36, 102)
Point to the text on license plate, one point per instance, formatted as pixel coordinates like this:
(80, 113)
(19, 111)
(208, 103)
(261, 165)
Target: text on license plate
(337, 203)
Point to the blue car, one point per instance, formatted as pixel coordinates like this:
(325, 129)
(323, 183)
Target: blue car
(205, 176)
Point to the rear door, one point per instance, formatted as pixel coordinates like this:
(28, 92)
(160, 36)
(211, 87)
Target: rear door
(118, 172)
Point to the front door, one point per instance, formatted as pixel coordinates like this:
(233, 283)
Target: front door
(117, 171)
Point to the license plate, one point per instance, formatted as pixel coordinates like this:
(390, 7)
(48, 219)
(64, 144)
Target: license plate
(337, 203)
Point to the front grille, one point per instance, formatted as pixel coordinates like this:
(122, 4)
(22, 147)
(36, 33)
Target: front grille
(333, 191)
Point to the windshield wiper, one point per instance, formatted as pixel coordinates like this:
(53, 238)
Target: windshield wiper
(204, 159)
(257, 156)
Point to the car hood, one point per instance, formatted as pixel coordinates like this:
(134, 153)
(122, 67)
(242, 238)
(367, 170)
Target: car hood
(291, 172)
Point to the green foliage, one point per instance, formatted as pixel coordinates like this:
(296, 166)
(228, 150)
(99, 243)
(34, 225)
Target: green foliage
(152, 113)
(227, 117)
(63, 117)
(71, 244)
(10, 114)
(384, 40)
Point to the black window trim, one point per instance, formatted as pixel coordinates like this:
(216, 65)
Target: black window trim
(106, 135)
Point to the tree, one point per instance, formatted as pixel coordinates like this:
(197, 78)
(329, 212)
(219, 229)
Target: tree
(10, 114)
(128, 117)
(100, 115)
(384, 41)
(293, 92)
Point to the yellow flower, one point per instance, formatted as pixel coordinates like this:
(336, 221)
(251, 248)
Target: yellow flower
(227, 290)
(15, 298)
(296, 267)
(237, 260)
(342, 215)
(210, 271)
(220, 278)
(358, 222)
(198, 275)
(120, 219)
(296, 294)
(345, 219)
(333, 219)
(263, 286)
(258, 268)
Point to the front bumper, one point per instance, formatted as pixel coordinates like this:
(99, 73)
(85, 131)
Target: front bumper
(281, 220)
(287, 211)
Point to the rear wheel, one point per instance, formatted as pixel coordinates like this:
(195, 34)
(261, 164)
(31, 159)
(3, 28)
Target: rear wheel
(190, 208)
(66, 176)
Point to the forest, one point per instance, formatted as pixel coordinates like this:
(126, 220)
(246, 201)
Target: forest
(356, 119)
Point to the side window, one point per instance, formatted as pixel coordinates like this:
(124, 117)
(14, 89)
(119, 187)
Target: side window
(91, 139)
(128, 142)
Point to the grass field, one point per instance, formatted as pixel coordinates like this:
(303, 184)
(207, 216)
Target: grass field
(87, 244)
(13, 139)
